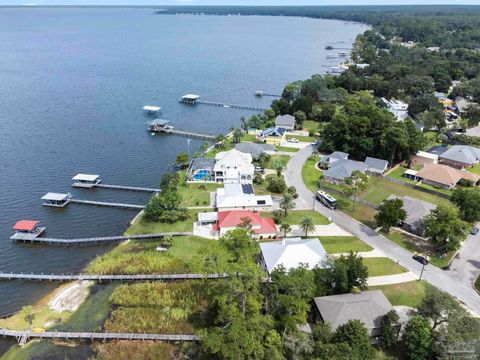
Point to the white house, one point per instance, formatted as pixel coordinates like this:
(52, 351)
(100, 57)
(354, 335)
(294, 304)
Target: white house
(233, 167)
(291, 253)
(241, 197)
(397, 108)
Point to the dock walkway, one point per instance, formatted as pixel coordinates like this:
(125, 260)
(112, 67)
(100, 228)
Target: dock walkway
(96, 240)
(109, 278)
(189, 134)
(119, 187)
(108, 204)
(23, 336)
(234, 106)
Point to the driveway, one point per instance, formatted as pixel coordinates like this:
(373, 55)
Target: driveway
(448, 281)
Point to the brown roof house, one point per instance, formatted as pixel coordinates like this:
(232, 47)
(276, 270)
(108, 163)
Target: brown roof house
(369, 307)
(445, 177)
(416, 211)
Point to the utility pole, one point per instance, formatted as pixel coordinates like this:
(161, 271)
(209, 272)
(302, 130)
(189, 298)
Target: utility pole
(421, 274)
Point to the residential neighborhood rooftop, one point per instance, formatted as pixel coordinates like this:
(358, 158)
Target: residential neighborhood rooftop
(286, 121)
(462, 153)
(292, 253)
(367, 306)
(446, 175)
(254, 149)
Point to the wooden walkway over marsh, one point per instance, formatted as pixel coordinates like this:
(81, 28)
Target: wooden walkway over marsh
(109, 278)
(23, 336)
(96, 240)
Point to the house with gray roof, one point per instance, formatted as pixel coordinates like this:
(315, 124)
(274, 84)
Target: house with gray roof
(329, 160)
(416, 211)
(285, 121)
(343, 169)
(460, 156)
(462, 104)
(201, 169)
(376, 166)
(254, 149)
(474, 131)
(369, 307)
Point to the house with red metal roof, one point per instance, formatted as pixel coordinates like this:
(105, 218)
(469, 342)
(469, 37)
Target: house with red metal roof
(262, 228)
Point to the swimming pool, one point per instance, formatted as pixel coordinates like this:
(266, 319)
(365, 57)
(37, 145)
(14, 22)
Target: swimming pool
(201, 175)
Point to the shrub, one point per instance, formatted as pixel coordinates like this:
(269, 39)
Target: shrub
(276, 185)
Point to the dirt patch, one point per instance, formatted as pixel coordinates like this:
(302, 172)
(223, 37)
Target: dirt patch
(71, 296)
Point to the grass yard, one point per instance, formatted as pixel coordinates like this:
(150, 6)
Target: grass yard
(286, 149)
(414, 245)
(382, 189)
(407, 294)
(294, 217)
(261, 189)
(398, 174)
(302, 138)
(430, 187)
(343, 244)
(310, 125)
(197, 194)
(248, 138)
(141, 257)
(284, 159)
(380, 266)
(143, 226)
(475, 169)
(310, 174)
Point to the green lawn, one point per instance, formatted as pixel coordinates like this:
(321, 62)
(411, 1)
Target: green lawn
(430, 187)
(380, 266)
(303, 138)
(211, 154)
(475, 169)
(294, 217)
(286, 149)
(310, 174)
(284, 159)
(310, 125)
(248, 138)
(398, 174)
(141, 257)
(343, 244)
(382, 189)
(143, 226)
(197, 194)
(407, 294)
(408, 243)
(261, 189)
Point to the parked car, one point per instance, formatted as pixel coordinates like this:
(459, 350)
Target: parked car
(474, 230)
(293, 140)
(422, 259)
(259, 169)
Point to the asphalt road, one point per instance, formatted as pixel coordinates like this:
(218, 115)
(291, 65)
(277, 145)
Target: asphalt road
(454, 281)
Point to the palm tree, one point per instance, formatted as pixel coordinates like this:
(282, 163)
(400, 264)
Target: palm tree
(278, 166)
(262, 159)
(237, 135)
(287, 203)
(220, 141)
(285, 228)
(355, 185)
(307, 225)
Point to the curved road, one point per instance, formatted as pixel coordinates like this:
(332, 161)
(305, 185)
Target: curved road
(449, 281)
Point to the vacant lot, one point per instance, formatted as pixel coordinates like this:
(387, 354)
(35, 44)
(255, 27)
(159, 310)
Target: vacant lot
(408, 294)
(382, 266)
(343, 244)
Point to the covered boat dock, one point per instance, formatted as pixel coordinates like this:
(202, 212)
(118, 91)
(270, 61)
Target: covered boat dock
(56, 199)
(27, 230)
(86, 181)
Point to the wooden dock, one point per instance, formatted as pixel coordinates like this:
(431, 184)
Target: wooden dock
(189, 134)
(22, 337)
(109, 278)
(97, 240)
(234, 106)
(108, 204)
(128, 188)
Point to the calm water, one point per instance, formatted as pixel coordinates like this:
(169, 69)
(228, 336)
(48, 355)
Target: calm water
(72, 86)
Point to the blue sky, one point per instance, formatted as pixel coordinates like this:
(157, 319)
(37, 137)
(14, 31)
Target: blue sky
(235, 2)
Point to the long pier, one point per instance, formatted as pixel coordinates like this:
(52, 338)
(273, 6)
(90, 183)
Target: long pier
(23, 336)
(235, 106)
(108, 204)
(121, 187)
(109, 278)
(189, 134)
(96, 240)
